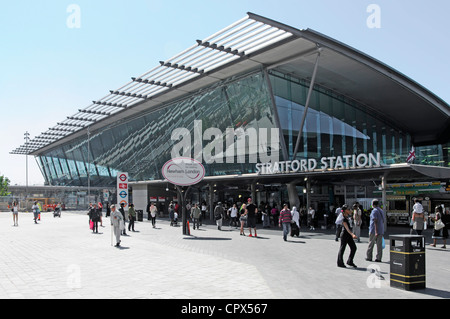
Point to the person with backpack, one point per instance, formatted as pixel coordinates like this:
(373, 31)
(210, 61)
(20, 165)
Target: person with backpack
(131, 217)
(218, 215)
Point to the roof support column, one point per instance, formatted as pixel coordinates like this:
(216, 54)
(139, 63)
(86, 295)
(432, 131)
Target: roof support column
(383, 198)
(313, 80)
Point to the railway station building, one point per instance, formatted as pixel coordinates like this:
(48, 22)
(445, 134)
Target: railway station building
(273, 112)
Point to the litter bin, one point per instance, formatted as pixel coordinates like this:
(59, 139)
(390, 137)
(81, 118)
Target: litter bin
(140, 215)
(407, 262)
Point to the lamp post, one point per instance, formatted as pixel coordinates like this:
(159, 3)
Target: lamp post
(27, 140)
(89, 164)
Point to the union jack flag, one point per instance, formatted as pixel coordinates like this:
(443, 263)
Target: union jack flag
(411, 156)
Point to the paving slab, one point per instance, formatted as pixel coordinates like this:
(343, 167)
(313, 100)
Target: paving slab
(62, 258)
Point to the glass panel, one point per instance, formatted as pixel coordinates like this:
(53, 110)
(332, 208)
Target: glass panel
(335, 125)
(143, 144)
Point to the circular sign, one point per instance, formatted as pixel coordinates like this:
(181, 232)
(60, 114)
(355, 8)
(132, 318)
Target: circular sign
(183, 171)
(123, 177)
(123, 194)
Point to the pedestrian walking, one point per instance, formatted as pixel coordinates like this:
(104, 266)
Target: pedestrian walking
(122, 211)
(233, 211)
(204, 208)
(311, 215)
(196, 213)
(266, 216)
(131, 217)
(153, 211)
(108, 209)
(243, 218)
(296, 216)
(58, 209)
(100, 213)
(218, 215)
(285, 221)
(36, 211)
(357, 221)
(171, 214)
(94, 217)
(274, 212)
(439, 231)
(338, 222)
(117, 222)
(376, 232)
(347, 238)
(15, 213)
(251, 217)
(418, 218)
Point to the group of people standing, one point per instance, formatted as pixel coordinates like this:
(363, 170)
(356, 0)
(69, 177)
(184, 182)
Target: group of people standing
(117, 216)
(246, 215)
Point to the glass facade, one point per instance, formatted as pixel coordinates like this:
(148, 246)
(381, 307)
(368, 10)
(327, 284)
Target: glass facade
(335, 125)
(141, 145)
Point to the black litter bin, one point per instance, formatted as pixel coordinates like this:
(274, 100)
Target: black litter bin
(407, 262)
(140, 215)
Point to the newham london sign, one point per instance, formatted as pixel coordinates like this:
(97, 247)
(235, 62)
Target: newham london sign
(183, 171)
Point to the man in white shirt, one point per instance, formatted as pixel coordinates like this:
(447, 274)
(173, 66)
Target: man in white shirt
(311, 213)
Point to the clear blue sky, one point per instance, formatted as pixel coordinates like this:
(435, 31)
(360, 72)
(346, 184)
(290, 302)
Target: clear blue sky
(48, 71)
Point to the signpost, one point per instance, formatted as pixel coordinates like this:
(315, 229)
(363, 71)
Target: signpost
(122, 189)
(183, 172)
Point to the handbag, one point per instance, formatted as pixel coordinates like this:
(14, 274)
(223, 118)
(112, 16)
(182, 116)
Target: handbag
(439, 224)
(91, 224)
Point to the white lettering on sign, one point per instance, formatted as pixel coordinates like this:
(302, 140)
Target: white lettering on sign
(325, 163)
(183, 171)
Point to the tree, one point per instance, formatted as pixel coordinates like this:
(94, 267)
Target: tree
(4, 183)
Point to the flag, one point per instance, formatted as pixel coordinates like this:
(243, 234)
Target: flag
(411, 156)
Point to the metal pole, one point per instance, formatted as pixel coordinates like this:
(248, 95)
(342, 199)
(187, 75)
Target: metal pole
(89, 164)
(313, 80)
(383, 199)
(183, 197)
(27, 138)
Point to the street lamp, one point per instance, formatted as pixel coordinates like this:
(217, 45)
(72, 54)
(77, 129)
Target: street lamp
(89, 163)
(27, 140)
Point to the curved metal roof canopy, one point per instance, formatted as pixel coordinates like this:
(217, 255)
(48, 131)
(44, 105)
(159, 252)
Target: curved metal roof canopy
(246, 45)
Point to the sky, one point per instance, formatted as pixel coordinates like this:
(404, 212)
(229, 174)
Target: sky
(54, 61)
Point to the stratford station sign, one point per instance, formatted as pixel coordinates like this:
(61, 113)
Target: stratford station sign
(332, 163)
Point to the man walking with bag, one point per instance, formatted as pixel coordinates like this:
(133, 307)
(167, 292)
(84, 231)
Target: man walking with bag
(376, 231)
